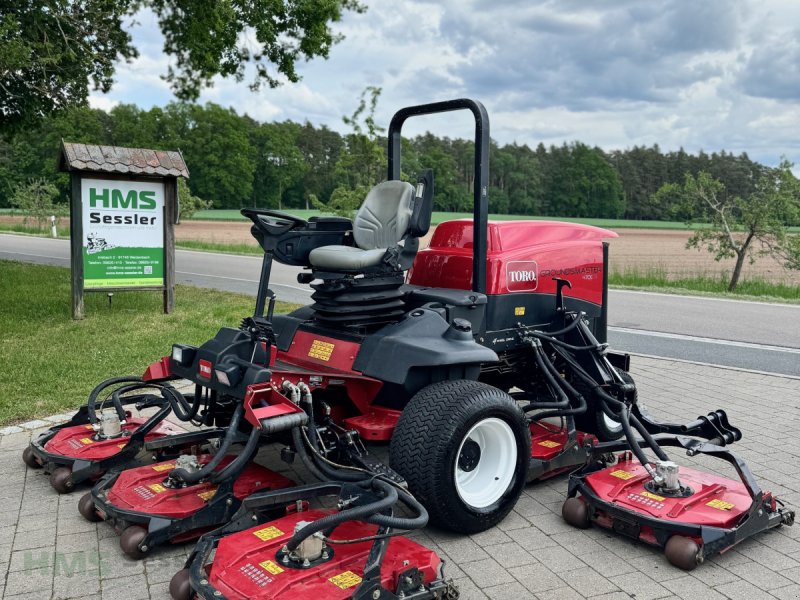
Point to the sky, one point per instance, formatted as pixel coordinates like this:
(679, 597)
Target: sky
(698, 74)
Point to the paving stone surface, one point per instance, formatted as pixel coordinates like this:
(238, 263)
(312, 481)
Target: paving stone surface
(48, 551)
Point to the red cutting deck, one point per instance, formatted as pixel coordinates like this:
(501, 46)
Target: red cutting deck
(716, 501)
(142, 490)
(78, 441)
(245, 565)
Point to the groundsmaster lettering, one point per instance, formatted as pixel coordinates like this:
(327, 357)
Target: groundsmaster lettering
(134, 219)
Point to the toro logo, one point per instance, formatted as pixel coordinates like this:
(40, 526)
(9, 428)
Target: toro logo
(522, 276)
(205, 369)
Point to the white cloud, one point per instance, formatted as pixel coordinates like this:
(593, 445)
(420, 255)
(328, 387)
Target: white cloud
(615, 73)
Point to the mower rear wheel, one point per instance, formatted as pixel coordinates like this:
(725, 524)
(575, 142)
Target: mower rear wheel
(179, 586)
(130, 542)
(683, 552)
(29, 458)
(87, 509)
(463, 447)
(61, 480)
(576, 512)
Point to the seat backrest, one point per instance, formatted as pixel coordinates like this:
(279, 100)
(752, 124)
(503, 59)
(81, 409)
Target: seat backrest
(383, 219)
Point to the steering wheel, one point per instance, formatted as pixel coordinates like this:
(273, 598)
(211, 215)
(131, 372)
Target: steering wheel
(273, 222)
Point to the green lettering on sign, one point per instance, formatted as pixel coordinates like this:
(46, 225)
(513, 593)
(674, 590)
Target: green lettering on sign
(147, 200)
(94, 197)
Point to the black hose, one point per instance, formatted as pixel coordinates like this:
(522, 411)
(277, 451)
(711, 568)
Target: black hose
(195, 476)
(552, 340)
(329, 522)
(93, 395)
(648, 438)
(407, 523)
(180, 407)
(299, 446)
(231, 469)
(568, 328)
(543, 361)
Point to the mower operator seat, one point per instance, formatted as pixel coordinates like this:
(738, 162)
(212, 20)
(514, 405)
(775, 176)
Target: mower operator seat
(392, 212)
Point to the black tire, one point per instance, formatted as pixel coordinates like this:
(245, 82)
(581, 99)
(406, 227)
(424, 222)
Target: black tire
(428, 440)
(594, 419)
(29, 458)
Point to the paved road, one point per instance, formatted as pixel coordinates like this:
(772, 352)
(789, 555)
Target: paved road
(750, 335)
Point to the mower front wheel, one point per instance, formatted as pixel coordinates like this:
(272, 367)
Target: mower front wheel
(180, 587)
(87, 509)
(463, 447)
(130, 541)
(576, 512)
(683, 552)
(29, 458)
(61, 480)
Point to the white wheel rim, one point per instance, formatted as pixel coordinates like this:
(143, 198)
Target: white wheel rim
(611, 424)
(486, 483)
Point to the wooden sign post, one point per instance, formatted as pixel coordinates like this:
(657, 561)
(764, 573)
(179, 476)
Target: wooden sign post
(123, 207)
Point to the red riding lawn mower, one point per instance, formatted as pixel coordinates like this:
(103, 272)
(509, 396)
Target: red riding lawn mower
(481, 360)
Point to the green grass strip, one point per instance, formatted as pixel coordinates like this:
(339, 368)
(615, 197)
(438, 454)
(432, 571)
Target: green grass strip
(712, 284)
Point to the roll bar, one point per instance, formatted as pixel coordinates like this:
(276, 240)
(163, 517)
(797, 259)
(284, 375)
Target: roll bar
(480, 216)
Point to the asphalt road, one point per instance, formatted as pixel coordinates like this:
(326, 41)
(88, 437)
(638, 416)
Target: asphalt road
(749, 335)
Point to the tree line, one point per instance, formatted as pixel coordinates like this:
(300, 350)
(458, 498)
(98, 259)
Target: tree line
(236, 161)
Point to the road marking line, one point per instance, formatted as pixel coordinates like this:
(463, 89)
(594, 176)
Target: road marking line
(693, 338)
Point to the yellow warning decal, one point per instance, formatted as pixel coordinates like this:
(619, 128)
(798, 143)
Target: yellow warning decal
(620, 474)
(345, 580)
(207, 495)
(549, 444)
(89, 427)
(86, 440)
(652, 496)
(519, 311)
(321, 350)
(163, 467)
(270, 567)
(121, 445)
(268, 533)
(720, 504)
(157, 488)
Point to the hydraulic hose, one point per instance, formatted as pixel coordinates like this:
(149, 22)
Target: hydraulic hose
(328, 471)
(180, 406)
(552, 340)
(95, 393)
(299, 446)
(191, 478)
(237, 463)
(330, 522)
(407, 523)
(544, 368)
(568, 328)
(624, 416)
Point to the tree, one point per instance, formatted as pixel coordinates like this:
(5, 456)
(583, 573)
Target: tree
(221, 159)
(51, 50)
(738, 222)
(36, 200)
(361, 165)
(187, 203)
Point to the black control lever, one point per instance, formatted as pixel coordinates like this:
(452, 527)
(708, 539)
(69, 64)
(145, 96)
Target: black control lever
(560, 283)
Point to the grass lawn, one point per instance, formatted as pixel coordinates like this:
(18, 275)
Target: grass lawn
(656, 280)
(50, 363)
